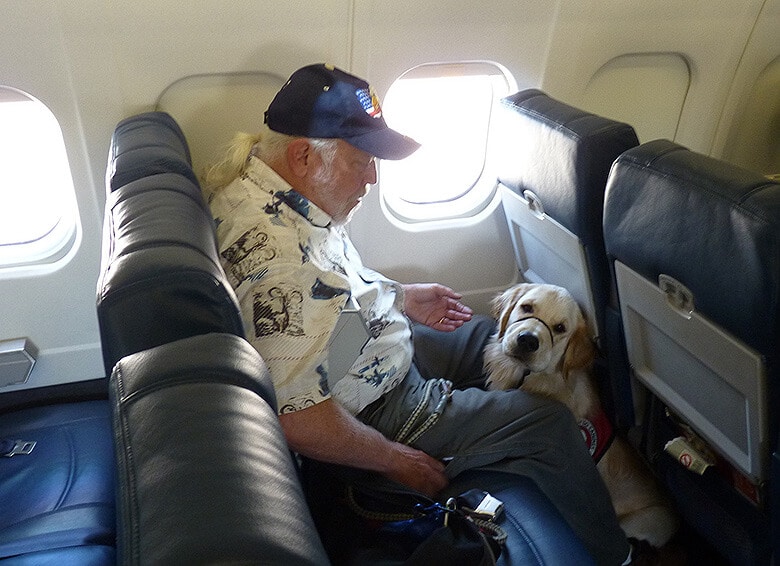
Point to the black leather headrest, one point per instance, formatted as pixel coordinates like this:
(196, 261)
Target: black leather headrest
(144, 145)
(161, 279)
(712, 226)
(563, 155)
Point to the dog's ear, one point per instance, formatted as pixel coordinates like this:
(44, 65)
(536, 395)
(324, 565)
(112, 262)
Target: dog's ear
(580, 352)
(502, 305)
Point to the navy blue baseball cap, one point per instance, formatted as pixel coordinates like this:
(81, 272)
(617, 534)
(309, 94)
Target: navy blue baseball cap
(321, 101)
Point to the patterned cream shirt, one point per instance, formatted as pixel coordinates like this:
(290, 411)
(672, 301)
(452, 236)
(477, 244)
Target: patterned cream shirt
(293, 272)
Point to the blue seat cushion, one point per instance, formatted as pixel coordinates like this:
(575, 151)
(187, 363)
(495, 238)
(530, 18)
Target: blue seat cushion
(93, 555)
(61, 495)
(537, 533)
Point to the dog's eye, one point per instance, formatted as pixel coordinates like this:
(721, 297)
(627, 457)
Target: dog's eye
(559, 328)
(527, 308)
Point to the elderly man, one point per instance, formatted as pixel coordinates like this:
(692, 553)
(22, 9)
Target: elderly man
(281, 200)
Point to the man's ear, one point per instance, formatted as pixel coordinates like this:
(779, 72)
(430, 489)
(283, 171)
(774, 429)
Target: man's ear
(299, 157)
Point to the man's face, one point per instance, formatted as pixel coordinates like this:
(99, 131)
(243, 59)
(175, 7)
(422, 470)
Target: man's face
(341, 185)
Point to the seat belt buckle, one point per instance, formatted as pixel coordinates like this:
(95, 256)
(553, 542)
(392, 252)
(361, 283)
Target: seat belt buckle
(490, 508)
(20, 448)
(481, 504)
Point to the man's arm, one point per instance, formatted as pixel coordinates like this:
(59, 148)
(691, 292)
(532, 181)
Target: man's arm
(328, 433)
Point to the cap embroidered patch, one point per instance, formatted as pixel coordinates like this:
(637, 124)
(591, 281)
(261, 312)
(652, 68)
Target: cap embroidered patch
(369, 101)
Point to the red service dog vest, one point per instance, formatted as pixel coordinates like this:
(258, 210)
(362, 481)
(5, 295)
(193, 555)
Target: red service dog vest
(597, 433)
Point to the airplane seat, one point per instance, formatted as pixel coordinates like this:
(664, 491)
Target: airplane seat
(695, 247)
(204, 469)
(552, 174)
(57, 496)
(58, 500)
(159, 246)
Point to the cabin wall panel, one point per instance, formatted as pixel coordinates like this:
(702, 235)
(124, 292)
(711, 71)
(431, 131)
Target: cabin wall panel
(54, 307)
(151, 44)
(710, 35)
(391, 37)
(748, 132)
(128, 53)
(618, 90)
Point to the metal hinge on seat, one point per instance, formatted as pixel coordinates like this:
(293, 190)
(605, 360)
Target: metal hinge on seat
(678, 295)
(534, 204)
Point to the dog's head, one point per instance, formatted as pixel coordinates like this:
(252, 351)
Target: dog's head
(542, 328)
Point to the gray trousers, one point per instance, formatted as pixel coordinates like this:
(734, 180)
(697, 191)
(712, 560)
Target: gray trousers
(508, 431)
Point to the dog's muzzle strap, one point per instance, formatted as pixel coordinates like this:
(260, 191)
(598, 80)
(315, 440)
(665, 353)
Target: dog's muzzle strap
(540, 321)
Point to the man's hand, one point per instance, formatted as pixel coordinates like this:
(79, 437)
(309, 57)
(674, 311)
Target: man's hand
(416, 469)
(328, 433)
(436, 306)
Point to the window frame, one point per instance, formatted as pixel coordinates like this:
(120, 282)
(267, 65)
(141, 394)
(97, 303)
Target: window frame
(46, 248)
(474, 199)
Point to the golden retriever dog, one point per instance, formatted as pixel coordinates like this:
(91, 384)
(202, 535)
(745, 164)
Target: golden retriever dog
(542, 346)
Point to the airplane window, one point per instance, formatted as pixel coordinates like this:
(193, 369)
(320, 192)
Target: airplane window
(448, 108)
(37, 217)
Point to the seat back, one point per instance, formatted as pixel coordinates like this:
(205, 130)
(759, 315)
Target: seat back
(161, 278)
(553, 171)
(696, 244)
(696, 250)
(205, 471)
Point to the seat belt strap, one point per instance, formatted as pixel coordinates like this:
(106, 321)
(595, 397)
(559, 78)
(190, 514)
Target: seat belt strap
(10, 448)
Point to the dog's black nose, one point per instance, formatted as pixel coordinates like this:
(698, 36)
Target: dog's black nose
(527, 343)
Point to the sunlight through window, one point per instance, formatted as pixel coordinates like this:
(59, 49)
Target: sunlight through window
(36, 188)
(448, 109)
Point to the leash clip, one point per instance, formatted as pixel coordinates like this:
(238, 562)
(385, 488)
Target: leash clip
(451, 506)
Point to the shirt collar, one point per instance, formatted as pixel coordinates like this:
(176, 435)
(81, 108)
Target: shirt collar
(280, 189)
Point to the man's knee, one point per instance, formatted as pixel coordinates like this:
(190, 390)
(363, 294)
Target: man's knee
(557, 418)
(456, 355)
